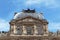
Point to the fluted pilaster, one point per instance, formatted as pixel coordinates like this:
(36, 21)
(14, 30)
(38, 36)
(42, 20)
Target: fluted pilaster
(24, 30)
(14, 28)
(45, 29)
(35, 30)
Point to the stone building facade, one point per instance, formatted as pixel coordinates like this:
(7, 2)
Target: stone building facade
(29, 25)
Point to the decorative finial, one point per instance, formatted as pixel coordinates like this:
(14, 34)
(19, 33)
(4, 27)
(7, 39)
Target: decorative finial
(29, 11)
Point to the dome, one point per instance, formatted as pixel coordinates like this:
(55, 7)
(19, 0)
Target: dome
(28, 12)
(22, 15)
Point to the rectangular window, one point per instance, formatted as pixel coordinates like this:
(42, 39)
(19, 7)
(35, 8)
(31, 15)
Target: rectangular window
(29, 30)
(40, 30)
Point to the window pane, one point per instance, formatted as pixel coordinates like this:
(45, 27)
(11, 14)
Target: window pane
(39, 28)
(29, 30)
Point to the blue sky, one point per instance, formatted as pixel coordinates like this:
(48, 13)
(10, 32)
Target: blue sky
(49, 8)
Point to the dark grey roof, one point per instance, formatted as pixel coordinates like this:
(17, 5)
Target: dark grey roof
(22, 15)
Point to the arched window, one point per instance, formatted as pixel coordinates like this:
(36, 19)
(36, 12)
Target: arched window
(19, 30)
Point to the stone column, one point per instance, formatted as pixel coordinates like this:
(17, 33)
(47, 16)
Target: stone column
(11, 29)
(14, 28)
(45, 28)
(35, 30)
(24, 31)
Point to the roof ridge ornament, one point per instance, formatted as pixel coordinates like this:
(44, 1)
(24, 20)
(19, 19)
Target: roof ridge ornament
(29, 11)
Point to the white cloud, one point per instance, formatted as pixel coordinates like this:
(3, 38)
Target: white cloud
(4, 25)
(40, 3)
(47, 3)
(31, 2)
(53, 26)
